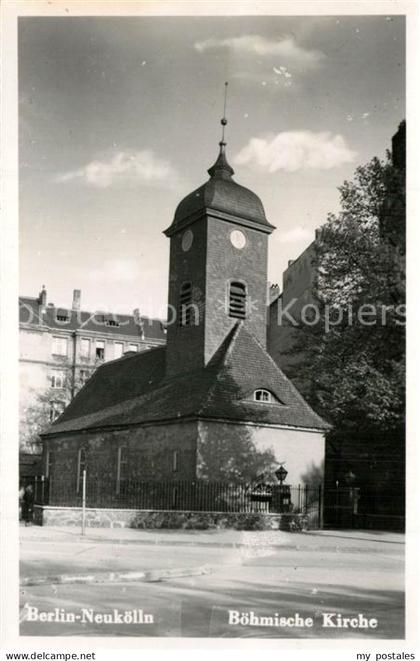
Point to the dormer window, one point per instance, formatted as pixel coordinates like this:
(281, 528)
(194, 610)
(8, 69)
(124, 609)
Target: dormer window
(262, 395)
(237, 300)
(62, 316)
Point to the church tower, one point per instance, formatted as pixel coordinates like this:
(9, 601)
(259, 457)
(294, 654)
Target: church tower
(180, 412)
(218, 268)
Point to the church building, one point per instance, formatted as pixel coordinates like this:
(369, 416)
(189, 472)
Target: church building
(154, 414)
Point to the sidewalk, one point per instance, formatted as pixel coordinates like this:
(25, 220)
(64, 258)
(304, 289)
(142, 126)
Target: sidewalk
(57, 555)
(341, 540)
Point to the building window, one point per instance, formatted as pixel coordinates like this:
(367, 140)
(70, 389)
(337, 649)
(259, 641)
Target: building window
(59, 346)
(133, 347)
(81, 466)
(118, 349)
(62, 316)
(48, 463)
(58, 380)
(100, 349)
(262, 395)
(175, 460)
(237, 300)
(56, 409)
(121, 468)
(85, 348)
(185, 305)
(84, 375)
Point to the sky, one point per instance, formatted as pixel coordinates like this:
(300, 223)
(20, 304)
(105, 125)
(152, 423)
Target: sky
(119, 119)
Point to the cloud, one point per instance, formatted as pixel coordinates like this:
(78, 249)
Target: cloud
(123, 168)
(282, 71)
(116, 271)
(271, 81)
(286, 47)
(296, 150)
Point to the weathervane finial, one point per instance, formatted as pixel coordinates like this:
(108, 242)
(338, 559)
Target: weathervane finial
(223, 121)
(221, 169)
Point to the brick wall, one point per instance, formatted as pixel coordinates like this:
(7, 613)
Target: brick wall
(186, 344)
(225, 263)
(282, 336)
(149, 455)
(210, 264)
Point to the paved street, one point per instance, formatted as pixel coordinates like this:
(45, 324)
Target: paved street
(267, 573)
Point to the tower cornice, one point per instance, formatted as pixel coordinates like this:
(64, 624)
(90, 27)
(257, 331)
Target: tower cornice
(267, 228)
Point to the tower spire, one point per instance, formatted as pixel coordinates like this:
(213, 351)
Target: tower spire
(223, 121)
(221, 168)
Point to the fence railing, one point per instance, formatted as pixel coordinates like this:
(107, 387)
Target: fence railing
(343, 507)
(201, 496)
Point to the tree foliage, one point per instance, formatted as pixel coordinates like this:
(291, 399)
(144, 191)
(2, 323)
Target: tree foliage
(354, 372)
(43, 409)
(314, 475)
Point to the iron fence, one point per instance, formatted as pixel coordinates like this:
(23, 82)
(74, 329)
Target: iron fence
(199, 496)
(369, 508)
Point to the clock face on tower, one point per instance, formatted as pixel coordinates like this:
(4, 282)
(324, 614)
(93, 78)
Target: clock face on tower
(187, 240)
(238, 239)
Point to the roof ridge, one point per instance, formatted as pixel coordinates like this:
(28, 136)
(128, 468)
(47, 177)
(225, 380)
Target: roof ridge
(131, 354)
(224, 349)
(232, 335)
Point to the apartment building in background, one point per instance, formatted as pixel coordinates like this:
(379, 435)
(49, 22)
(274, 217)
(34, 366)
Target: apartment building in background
(61, 347)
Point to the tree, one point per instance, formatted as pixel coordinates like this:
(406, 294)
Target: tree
(44, 409)
(354, 374)
(314, 476)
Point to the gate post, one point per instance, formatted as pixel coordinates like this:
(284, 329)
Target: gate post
(84, 501)
(320, 507)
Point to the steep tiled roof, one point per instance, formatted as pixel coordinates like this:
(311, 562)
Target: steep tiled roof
(220, 193)
(29, 313)
(134, 390)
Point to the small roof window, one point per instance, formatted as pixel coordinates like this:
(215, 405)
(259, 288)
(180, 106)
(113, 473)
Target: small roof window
(265, 396)
(62, 315)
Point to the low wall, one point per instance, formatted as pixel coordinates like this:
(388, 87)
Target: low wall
(125, 518)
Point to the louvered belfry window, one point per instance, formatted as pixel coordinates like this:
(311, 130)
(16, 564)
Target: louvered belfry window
(185, 304)
(237, 300)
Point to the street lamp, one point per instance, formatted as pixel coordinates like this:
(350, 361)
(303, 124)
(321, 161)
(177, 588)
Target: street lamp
(281, 474)
(349, 477)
